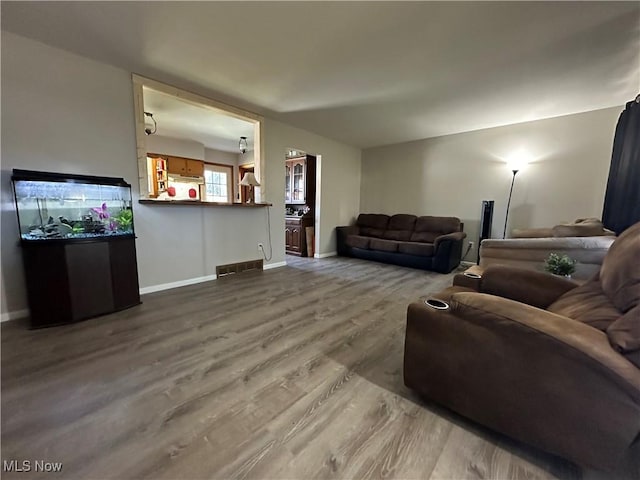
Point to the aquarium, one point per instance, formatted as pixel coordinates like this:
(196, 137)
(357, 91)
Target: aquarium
(53, 206)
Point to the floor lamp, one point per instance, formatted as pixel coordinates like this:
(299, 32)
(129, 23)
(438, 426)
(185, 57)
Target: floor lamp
(506, 217)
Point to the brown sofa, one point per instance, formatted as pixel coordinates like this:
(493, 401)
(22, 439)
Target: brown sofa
(430, 243)
(539, 358)
(582, 227)
(530, 253)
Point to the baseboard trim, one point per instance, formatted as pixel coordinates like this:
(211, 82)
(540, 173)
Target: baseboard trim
(269, 266)
(6, 316)
(325, 255)
(180, 283)
(467, 264)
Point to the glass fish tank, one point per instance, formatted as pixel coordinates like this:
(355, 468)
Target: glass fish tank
(54, 206)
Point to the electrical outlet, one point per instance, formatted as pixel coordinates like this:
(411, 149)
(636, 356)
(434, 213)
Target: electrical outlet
(471, 245)
(260, 247)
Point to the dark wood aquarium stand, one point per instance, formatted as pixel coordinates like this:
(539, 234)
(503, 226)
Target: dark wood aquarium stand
(69, 281)
(78, 245)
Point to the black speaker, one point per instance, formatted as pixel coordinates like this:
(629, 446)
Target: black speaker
(486, 218)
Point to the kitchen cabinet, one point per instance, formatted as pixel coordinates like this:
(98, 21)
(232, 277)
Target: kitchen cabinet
(294, 235)
(185, 166)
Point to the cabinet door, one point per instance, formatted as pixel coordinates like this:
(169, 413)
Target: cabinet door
(295, 239)
(287, 238)
(47, 284)
(124, 273)
(195, 168)
(287, 183)
(177, 165)
(298, 187)
(90, 283)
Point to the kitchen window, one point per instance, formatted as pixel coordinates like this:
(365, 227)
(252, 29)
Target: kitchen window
(217, 183)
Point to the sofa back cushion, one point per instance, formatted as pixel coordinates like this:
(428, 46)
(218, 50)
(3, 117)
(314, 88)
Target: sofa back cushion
(372, 224)
(428, 228)
(620, 271)
(588, 304)
(400, 227)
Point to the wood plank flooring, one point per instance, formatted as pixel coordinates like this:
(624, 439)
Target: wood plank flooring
(291, 373)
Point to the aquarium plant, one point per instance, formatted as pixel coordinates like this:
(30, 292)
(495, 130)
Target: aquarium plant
(124, 219)
(560, 265)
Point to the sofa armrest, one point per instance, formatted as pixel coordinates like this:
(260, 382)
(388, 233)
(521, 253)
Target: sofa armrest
(341, 238)
(519, 369)
(447, 252)
(455, 236)
(526, 286)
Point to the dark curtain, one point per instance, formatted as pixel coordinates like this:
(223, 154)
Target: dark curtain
(622, 199)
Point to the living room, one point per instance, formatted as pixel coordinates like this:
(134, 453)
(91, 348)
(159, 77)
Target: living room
(67, 106)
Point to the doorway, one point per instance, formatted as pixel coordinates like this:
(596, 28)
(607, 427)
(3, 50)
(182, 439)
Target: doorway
(301, 201)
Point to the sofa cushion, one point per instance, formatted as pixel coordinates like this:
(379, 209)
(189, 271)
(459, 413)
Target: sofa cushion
(531, 233)
(587, 304)
(425, 237)
(383, 245)
(371, 232)
(428, 228)
(582, 227)
(373, 220)
(619, 274)
(402, 221)
(439, 225)
(398, 235)
(415, 248)
(358, 241)
(624, 335)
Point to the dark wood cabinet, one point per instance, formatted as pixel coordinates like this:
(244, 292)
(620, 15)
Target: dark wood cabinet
(68, 281)
(294, 235)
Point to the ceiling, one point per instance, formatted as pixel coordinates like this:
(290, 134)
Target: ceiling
(180, 119)
(365, 73)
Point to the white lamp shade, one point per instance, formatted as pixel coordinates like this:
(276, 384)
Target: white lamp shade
(518, 160)
(249, 179)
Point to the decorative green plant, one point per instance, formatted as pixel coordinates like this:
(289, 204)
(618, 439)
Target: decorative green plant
(560, 264)
(124, 219)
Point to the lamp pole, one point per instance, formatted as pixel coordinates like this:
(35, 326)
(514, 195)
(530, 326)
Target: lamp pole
(506, 217)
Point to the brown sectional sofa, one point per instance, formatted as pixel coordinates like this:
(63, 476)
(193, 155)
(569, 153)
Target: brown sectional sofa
(539, 357)
(429, 243)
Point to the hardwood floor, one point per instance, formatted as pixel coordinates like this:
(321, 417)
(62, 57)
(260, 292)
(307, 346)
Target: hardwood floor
(290, 373)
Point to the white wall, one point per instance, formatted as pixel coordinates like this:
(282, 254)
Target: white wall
(451, 175)
(175, 146)
(60, 113)
(339, 172)
(218, 156)
(66, 113)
